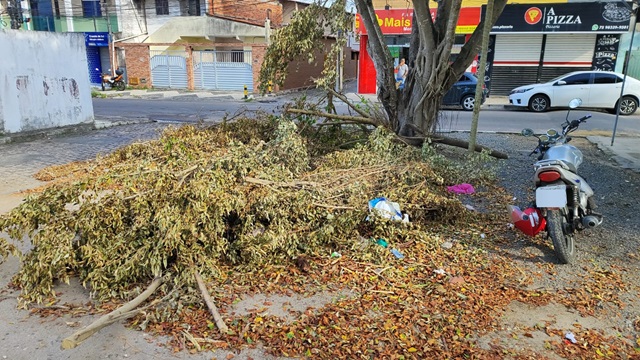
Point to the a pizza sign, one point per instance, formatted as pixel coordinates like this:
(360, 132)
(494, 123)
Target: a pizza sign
(588, 17)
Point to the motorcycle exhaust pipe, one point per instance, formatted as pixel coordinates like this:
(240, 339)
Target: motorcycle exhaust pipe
(591, 221)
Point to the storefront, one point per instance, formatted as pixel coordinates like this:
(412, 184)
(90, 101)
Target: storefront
(396, 27)
(535, 43)
(98, 58)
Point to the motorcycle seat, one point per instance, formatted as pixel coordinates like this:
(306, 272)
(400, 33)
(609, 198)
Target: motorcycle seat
(550, 163)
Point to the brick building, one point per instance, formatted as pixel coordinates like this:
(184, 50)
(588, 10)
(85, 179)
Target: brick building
(217, 45)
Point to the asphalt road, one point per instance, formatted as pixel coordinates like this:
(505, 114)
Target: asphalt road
(491, 120)
(179, 110)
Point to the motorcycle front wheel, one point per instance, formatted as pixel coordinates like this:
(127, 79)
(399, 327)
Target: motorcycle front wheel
(562, 242)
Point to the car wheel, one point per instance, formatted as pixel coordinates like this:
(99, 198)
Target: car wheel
(539, 103)
(628, 105)
(468, 102)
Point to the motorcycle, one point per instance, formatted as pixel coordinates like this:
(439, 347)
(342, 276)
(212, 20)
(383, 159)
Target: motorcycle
(116, 82)
(564, 201)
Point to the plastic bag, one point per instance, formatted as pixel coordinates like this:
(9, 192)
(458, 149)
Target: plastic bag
(387, 209)
(516, 214)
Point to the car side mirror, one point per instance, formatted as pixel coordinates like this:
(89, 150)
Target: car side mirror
(561, 82)
(527, 132)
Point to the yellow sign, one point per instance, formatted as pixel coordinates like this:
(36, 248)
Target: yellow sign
(465, 29)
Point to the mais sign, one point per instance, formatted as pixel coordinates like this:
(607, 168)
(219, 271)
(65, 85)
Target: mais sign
(395, 22)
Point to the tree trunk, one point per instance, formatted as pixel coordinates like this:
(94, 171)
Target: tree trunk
(431, 71)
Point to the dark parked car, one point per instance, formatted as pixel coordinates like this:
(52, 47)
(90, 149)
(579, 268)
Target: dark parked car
(463, 92)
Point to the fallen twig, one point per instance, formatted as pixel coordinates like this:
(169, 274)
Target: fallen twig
(211, 305)
(125, 311)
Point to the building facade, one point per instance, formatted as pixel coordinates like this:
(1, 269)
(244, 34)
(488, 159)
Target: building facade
(532, 41)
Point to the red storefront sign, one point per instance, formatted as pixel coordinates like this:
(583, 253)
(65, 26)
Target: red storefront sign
(398, 21)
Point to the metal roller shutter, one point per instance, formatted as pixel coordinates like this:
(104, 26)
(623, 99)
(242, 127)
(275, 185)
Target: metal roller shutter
(93, 61)
(515, 61)
(105, 60)
(565, 53)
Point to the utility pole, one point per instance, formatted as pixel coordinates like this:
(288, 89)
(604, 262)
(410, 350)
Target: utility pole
(481, 72)
(112, 48)
(625, 69)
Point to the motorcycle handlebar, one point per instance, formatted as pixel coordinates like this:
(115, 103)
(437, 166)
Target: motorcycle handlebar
(582, 119)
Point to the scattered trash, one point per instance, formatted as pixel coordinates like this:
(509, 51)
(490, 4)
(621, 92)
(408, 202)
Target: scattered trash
(529, 221)
(516, 213)
(483, 236)
(336, 255)
(387, 209)
(461, 189)
(469, 207)
(382, 243)
(439, 272)
(571, 337)
(397, 253)
(447, 245)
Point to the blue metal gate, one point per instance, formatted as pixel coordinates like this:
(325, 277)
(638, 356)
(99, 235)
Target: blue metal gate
(168, 69)
(222, 70)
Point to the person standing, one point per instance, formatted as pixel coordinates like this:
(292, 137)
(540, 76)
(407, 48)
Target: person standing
(402, 71)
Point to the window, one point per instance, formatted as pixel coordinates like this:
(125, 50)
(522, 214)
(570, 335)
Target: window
(578, 79)
(162, 7)
(604, 78)
(91, 9)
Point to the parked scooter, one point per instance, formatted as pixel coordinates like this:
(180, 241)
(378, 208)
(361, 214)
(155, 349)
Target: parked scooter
(114, 82)
(564, 200)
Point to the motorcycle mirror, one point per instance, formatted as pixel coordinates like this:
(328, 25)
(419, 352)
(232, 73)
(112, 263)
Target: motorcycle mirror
(527, 132)
(575, 103)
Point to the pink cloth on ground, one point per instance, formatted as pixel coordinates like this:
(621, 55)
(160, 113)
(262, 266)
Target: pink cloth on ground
(461, 189)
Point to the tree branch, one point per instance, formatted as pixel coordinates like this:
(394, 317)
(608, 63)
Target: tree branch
(123, 312)
(357, 119)
(349, 103)
(211, 305)
(472, 47)
(419, 141)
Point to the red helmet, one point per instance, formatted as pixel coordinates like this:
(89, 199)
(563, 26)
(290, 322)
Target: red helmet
(533, 224)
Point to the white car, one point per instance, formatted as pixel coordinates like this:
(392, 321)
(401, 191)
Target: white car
(596, 89)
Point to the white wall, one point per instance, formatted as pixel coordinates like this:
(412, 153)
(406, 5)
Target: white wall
(44, 81)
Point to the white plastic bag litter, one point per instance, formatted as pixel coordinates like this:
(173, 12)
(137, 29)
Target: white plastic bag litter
(387, 209)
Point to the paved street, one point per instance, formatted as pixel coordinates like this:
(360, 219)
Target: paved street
(21, 160)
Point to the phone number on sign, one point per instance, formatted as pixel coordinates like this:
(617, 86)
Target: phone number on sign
(613, 27)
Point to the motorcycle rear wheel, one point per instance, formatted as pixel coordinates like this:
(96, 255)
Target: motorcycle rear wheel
(120, 85)
(563, 243)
